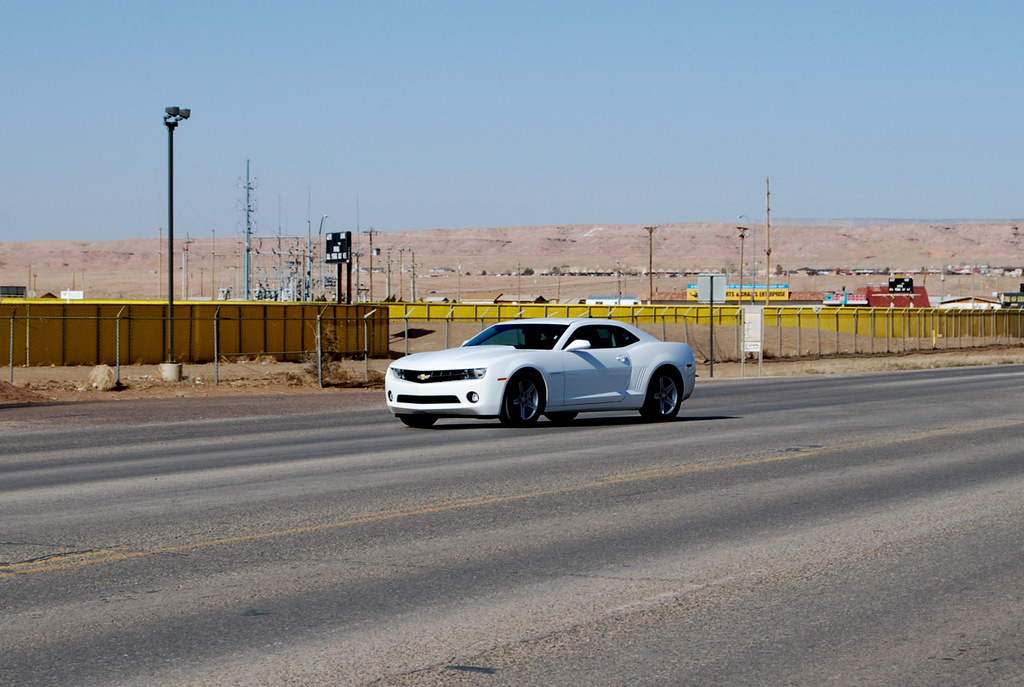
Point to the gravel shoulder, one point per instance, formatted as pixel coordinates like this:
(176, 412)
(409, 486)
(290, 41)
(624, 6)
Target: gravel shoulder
(65, 395)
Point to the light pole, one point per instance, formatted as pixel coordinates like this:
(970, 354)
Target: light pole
(172, 115)
(768, 242)
(743, 235)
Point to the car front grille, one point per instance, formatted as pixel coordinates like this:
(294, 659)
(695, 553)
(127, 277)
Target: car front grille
(427, 400)
(424, 377)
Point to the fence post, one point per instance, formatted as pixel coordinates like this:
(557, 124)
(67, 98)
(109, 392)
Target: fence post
(11, 349)
(778, 328)
(118, 344)
(366, 344)
(799, 332)
(447, 324)
(319, 352)
(28, 329)
(216, 347)
(817, 327)
(856, 312)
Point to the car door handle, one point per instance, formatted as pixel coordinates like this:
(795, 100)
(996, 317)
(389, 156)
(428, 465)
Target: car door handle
(622, 358)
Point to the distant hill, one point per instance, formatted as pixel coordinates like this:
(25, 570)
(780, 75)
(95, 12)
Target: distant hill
(137, 267)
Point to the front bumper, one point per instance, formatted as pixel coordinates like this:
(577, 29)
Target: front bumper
(446, 399)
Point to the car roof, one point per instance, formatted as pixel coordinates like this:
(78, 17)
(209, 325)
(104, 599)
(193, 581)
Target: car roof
(563, 320)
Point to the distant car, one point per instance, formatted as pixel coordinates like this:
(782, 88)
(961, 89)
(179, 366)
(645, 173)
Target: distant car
(517, 371)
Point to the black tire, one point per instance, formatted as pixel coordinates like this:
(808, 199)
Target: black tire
(664, 396)
(523, 402)
(418, 421)
(560, 418)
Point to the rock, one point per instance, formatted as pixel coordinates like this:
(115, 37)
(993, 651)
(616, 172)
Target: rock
(103, 378)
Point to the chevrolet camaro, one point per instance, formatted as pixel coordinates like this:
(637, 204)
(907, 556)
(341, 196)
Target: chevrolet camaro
(520, 370)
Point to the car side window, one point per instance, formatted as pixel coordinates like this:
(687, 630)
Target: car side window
(602, 336)
(622, 338)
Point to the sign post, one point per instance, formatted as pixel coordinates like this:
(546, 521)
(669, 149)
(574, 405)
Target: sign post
(711, 288)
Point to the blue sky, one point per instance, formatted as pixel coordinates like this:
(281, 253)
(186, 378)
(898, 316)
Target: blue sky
(470, 114)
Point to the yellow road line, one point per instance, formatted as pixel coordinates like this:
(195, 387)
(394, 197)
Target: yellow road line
(112, 555)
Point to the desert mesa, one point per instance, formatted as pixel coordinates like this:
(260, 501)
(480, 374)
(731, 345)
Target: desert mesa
(562, 263)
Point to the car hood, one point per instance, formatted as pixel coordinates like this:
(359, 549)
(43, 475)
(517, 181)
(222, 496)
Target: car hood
(455, 358)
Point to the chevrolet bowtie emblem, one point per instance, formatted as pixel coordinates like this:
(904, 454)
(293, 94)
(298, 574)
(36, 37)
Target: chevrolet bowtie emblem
(423, 376)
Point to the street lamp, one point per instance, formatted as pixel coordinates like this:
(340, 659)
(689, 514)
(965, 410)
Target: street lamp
(172, 115)
(743, 236)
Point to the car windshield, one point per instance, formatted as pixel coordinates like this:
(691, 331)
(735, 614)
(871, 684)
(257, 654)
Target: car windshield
(532, 336)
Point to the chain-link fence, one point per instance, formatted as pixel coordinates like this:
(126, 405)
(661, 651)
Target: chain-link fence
(779, 332)
(119, 333)
(63, 334)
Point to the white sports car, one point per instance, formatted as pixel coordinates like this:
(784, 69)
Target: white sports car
(517, 371)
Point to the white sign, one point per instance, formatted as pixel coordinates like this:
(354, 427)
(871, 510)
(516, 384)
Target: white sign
(751, 331)
(72, 295)
(711, 288)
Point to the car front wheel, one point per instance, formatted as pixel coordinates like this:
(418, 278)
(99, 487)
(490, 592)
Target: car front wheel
(523, 402)
(664, 396)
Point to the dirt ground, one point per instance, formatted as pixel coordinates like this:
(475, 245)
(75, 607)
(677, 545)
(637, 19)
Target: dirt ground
(243, 379)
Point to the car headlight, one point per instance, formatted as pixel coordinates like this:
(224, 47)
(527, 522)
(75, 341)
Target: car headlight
(476, 373)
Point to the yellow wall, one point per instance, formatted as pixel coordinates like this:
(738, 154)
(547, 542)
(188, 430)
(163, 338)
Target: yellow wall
(54, 332)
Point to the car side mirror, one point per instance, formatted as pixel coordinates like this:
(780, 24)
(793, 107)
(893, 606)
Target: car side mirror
(578, 345)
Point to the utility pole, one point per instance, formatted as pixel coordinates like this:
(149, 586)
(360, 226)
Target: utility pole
(650, 263)
(370, 232)
(768, 242)
(184, 267)
(401, 269)
(412, 278)
(387, 284)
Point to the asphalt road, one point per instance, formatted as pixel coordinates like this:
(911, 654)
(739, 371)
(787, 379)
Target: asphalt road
(856, 530)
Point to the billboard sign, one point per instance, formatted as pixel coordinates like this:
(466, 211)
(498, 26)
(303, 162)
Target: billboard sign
(339, 248)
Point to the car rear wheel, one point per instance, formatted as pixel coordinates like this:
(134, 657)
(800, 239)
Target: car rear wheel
(664, 396)
(418, 421)
(523, 402)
